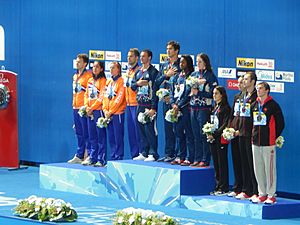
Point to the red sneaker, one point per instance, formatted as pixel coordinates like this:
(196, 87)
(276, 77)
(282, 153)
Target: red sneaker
(270, 200)
(259, 199)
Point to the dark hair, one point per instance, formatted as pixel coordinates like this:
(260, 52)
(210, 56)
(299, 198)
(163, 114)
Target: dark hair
(266, 85)
(135, 51)
(175, 45)
(206, 60)
(149, 53)
(252, 76)
(222, 91)
(102, 73)
(84, 57)
(189, 62)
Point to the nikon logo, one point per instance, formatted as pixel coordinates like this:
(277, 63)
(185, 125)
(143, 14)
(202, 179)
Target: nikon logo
(245, 63)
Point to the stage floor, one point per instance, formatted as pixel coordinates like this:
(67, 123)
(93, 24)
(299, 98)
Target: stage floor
(20, 184)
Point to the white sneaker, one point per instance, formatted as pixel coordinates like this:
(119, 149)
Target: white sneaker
(232, 194)
(87, 162)
(139, 157)
(75, 160)
(150, 158)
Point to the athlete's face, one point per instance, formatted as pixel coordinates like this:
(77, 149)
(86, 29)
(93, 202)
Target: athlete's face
(200, 63)
(80, 64)
(171, 52)
(97, 68)
(132, 59)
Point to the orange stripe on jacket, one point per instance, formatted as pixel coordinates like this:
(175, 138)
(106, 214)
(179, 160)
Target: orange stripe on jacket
(95, 88)
(130, 94)
(116, 90)
(80, 81)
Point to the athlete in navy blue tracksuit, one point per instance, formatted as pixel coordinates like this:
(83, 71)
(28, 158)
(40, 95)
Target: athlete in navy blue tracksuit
(200, 105)
(179, 98)
(167, 70)
(144, 84)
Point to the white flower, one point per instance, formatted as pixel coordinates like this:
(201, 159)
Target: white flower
(31, 199)
(208, 128)
(192, 82)
(103, 122)
(120, 219)
(49, 201)
(161, 93)
(82, 111)
(171, 117)
(280, 141)
(131, 219)
(228, 133)
(69, 205)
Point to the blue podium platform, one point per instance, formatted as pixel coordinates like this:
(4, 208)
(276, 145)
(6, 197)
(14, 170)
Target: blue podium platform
(157, 184)
(283, 209)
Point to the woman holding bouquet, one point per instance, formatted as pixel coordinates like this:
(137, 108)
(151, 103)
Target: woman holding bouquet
(179, 98)
(93, 102)
(219, 118)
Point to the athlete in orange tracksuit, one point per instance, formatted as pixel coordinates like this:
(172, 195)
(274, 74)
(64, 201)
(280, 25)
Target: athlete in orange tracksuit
(80, 80)
(93, 99)
(114, 104)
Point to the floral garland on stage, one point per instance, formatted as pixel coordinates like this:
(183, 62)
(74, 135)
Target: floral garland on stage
(45, 209)
(132, 216)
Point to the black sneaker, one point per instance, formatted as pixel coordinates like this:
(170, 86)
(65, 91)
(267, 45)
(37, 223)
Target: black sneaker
(161, 159)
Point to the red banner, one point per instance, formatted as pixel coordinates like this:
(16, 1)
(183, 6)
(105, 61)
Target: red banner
(232, 84)
(9, 155)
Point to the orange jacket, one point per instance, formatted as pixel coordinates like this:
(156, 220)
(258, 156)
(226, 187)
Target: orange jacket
(79, 88)
(93, 97)
(130, 94)
(114, 101)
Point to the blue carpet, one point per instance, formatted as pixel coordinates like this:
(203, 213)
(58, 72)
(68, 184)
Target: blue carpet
(20, 184)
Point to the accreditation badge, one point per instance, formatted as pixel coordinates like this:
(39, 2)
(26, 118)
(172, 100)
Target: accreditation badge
(215, 121)
(259, 119)
(179, 89)
(236, 109)
(245, 110)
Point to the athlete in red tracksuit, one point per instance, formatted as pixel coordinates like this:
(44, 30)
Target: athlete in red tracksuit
(268, 124)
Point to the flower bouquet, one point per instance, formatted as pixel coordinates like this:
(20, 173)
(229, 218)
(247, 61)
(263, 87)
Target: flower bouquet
(162, 93)
(103, 122)
(279, 142)
(193, 82)
(82, 111)
(171, 117)
(228, 133)
(132, 216)
(209, 129)
(45, 209)
(144, 117)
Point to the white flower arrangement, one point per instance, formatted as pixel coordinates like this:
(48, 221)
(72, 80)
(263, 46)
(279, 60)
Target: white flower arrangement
(171, 117)
(209, 129)
(192, 82)
(103, 122)
(82, 111)
(228, 133)
(144, 117)
(132, 216)
(45, 209)
(279, 142)
(162, 93)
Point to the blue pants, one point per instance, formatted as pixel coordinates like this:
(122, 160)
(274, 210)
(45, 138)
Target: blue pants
(198, 119)
(133, 133)
(148, 135)
(93, 138)
(170, 138)
(81, 131)
(183, 131)
(100, 155)
(116, 136)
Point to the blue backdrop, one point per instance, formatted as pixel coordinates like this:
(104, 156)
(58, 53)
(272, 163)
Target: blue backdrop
(42, 37)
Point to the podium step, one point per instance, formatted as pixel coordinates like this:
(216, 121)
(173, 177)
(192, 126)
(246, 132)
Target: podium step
(283, 209)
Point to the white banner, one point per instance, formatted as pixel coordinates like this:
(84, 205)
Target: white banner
(113, 55)
(284, 76)
(268, 64)
(226, 72)
(2, 43)
(265, 74)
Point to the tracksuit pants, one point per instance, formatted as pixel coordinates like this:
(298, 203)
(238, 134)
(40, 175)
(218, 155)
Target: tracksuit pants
(237, 165)
(116, 136)
(100, 155)
(133, 133)
(170, 138)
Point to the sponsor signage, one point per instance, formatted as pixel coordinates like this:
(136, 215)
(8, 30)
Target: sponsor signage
(96, 55)
(163, 58)
(248, 63)
(227, 72)
(124, 66)
(113, 55)
(264, 74)
(276, 87)
(107, 65)
(267, 64)
(284, 76)
(232, 84)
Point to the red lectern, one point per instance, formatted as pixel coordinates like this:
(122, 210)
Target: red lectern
(9, 156)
